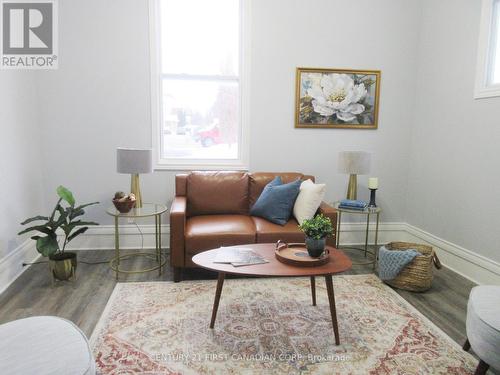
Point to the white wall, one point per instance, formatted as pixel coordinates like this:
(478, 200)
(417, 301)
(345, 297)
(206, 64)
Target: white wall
(455, 158)
(21, 193)
(98, 100)
(99, 97)
(359, 34)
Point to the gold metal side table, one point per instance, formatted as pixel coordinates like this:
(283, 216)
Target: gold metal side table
(147, 210)
(368, 212)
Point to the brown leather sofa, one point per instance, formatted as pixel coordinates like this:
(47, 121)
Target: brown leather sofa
(211, 209)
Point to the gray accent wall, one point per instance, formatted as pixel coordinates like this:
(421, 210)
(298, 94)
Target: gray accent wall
(21, 183)
(454, 179)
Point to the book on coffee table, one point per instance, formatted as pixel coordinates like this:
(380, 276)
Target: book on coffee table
(238, 256)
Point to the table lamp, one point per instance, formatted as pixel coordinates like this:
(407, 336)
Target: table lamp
(134, 161)
(353, 163)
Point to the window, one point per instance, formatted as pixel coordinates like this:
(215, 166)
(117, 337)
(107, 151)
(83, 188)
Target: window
(197, 86)
(488, 65)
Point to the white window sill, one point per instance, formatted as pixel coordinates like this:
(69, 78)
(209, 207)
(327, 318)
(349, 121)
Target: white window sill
(198, 167)
(487, 92)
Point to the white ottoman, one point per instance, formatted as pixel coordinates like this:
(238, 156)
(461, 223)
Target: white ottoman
(44, 345)
(483, 326)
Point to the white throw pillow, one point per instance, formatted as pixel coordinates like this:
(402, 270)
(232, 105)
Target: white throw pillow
(310, 197)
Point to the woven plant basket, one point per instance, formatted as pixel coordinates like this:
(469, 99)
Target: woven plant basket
(416, 276)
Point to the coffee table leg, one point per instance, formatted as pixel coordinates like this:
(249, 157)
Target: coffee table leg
(313, 289)
(333, 311)
(218, 291)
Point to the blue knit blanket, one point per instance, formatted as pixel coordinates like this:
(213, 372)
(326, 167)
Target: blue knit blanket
(392, 262)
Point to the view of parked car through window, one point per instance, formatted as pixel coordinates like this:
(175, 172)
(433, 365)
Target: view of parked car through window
(200, 80)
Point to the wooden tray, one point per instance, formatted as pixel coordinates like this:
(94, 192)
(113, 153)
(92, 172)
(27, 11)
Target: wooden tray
(295, 254)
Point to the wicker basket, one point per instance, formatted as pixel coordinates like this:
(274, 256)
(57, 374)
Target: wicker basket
(416, 276)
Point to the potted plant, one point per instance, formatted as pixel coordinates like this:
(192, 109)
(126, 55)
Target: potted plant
(316, 231)
(64, 217)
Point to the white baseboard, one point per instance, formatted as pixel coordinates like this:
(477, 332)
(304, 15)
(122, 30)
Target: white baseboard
(11, 266)
(467, 263)
(96, 238)
(355, 233)
(102, 237)
(473, 266)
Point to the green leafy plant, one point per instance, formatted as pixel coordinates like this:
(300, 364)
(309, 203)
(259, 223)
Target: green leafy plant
(65, 217)
(318, 227)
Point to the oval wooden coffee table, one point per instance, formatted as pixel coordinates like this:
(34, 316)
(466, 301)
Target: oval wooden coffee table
(339, 262)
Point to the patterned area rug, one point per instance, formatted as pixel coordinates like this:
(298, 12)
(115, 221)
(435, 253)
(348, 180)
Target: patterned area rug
(268, 326)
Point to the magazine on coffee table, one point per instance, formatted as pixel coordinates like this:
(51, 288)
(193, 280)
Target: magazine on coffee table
(238, 256)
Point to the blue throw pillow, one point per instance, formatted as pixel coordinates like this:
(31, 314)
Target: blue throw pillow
(276, 201)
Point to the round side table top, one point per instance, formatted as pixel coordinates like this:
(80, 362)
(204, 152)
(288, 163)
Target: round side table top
(147, 209)
(339, 262)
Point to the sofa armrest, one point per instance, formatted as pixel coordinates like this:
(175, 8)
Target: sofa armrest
(331, 213)
(177, 231)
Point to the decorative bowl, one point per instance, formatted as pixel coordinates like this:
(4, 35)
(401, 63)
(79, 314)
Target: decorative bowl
(124, 206)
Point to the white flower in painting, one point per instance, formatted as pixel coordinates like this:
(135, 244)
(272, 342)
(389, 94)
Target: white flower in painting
(337, 94)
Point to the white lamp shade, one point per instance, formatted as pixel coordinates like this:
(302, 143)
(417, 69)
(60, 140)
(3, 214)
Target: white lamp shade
(134, 161)
(354, 162)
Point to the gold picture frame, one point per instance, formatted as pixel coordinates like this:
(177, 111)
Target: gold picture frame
(337, 98)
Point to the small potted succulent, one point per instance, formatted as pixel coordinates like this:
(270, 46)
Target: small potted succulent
(65, 218)
(316, 231)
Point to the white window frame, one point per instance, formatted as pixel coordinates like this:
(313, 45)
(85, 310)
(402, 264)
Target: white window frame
(241, 163)
(486, 53)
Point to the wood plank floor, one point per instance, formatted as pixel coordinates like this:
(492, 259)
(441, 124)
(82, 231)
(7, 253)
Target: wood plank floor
(84, 300)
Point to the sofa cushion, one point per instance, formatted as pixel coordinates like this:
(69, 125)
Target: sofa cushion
(276, 201)
(307, 203)
(212, 231)
(216, 193)
(269, 232)
(257, 182)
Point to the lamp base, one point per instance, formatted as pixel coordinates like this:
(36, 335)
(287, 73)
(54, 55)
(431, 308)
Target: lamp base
(135, 188)
(352, 188)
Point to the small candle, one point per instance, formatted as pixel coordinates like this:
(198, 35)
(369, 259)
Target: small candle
(373, 183)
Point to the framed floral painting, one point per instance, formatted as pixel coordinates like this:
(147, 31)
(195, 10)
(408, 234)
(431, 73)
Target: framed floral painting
(337, 98)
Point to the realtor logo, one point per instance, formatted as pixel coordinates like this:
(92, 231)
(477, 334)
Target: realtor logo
(29, 34)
